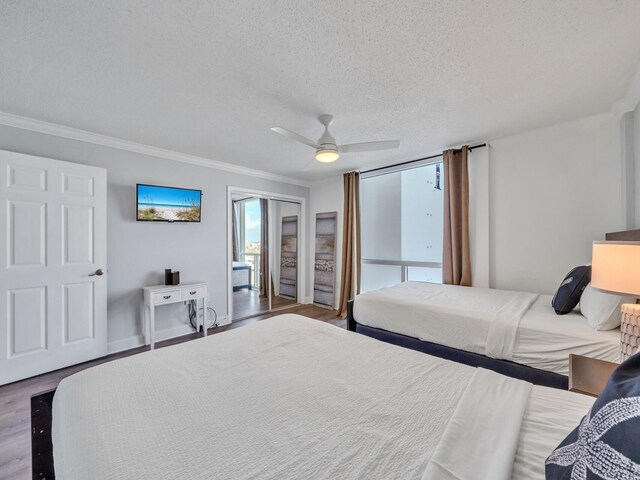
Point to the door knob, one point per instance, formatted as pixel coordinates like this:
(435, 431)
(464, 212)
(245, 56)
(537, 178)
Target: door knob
(99, 272)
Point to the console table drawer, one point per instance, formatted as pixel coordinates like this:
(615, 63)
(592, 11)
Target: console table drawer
(169, 296)
(192, 293)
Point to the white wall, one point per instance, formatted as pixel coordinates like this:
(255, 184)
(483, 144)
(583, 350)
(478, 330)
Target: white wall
(139, 252)
(325, 196)
(479, 238)
(628, 168)
(552, 192)
(635, 119)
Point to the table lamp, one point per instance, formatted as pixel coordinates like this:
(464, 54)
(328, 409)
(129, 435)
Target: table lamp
(616, 269)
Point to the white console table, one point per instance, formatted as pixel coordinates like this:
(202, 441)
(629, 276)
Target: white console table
(166, 294)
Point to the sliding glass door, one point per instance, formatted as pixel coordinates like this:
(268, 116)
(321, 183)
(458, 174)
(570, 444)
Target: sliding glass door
(402, 227)
(249, 233)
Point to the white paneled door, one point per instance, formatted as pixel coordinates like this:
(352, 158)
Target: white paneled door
(53, 286)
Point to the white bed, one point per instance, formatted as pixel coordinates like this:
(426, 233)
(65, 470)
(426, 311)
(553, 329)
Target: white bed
(292, 397)
(516, 326)
(241, 276)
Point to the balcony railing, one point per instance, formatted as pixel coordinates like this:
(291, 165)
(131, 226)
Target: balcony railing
(398, 271)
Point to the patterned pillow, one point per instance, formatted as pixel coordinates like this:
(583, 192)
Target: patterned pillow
(606, 444)
(570, 290)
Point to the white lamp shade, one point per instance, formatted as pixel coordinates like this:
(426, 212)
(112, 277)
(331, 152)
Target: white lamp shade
(616, 267)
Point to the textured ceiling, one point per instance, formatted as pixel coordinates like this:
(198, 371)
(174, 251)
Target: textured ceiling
(209, 78)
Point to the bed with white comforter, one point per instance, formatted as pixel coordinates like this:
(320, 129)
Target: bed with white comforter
(507, 325)
(292, 397)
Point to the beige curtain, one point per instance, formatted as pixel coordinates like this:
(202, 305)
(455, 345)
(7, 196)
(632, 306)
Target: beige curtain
(264, 246)
(235, 233)
(456, 258)
(350, 275)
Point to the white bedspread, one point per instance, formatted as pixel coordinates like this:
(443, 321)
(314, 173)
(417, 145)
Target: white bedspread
(478, 320)
(550, 415)
(491, 409)
(289, 398)
(286, 398)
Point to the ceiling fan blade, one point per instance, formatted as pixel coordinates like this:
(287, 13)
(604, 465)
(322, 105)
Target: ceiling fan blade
(295, 136)
(308, 164)
(369, 146)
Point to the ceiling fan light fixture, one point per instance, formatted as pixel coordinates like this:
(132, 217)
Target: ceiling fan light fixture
(327, 149)
(327, 155)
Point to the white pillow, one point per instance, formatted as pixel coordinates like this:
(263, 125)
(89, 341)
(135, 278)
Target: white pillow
(602, 310)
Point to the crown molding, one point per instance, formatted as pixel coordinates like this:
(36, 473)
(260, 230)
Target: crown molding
(47, 128)
(631, 99)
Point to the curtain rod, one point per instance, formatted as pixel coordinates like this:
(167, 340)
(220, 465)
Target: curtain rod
(418, 160)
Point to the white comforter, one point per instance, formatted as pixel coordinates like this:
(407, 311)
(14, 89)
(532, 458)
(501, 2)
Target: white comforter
(479, 320)
(285, 398)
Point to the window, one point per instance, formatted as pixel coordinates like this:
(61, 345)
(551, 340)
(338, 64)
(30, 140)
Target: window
(402, 227)
(249, 237)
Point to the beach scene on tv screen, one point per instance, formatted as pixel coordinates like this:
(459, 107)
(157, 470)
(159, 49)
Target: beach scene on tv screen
(170, 204)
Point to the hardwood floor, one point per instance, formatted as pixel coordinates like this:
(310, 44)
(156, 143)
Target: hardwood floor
(15, 415)
(247, 303)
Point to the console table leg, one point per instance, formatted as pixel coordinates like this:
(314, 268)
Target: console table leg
(204, 314)
(152, 327)
(147, 330)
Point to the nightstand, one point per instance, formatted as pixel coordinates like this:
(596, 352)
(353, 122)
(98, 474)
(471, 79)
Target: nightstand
(589, 375)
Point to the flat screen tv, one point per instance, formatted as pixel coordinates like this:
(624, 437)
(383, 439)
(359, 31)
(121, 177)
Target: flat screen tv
(167, 204)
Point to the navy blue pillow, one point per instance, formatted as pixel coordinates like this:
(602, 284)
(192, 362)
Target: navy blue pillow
(568, 294)
(606, 444)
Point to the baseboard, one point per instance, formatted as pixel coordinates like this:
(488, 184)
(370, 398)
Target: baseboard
(124, 344)
(309, 300)
(138, 340)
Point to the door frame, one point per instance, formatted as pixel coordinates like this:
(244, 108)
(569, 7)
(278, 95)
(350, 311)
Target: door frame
(302, 239)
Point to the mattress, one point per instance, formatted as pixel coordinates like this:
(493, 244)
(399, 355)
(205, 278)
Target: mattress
(549, 415)
(539, 338)
(545, 340)
(287, 397)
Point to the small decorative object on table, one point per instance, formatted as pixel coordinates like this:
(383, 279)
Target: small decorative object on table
(171, 278)
(616, 269)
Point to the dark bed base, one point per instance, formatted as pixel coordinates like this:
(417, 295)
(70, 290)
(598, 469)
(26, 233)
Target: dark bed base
(237, 288)
(41, 446)
(505, 367)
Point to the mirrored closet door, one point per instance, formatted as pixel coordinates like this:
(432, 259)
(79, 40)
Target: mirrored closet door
(284, 253)
(266, 257)
(250, 255)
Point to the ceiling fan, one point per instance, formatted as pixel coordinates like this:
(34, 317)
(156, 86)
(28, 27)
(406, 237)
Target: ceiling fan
(327, 150)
